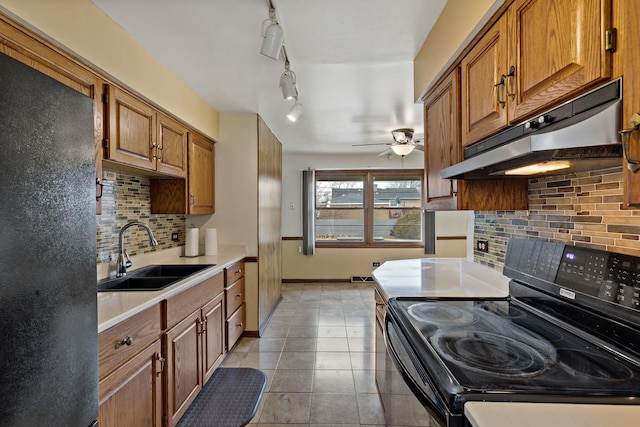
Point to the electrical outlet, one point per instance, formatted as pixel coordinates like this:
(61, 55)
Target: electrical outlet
(174, 237)
(109, 175)
(482, 245)
(376, 264)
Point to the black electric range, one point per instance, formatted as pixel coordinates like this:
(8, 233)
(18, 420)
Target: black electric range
(568, 332)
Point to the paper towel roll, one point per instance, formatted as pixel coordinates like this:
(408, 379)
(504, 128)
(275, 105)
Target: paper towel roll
(211, 241)
(191, 242)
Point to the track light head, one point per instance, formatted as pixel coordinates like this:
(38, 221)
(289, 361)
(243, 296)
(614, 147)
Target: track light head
(273, 37)
(288, 85)
(295, 113)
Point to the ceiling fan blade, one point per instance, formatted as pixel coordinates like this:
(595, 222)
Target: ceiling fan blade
(373, 143)
(385, 152)
(419, 147)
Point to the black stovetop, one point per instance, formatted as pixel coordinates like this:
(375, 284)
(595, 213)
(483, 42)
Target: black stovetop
(476, 348)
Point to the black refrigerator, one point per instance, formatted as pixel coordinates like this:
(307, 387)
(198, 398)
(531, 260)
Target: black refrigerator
(48, 310)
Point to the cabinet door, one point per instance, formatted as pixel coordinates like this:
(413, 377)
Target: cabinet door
(557, 49)
(483, 103)
(132, 130)
(201, 175)
(131, 396)
(172, 147)
(628, 65)
(441, 125)
(213, 335)
(184, 362)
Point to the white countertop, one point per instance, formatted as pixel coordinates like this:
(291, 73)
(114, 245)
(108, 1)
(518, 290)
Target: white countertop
(439, 277)
(114, 307)
(456, 277)
(499, 414)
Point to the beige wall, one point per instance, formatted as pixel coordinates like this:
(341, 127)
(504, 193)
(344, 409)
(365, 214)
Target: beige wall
(458, 23)
(342, 264)
(80, 26)
(236, 217)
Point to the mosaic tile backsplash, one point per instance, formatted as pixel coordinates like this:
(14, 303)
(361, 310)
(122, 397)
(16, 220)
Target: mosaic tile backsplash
(127, 199)
(582, 209)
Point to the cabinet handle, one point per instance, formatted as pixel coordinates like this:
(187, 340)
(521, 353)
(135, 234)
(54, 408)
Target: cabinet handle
(101, 185)
(238, 325)
(238, 272)
(161, 360)
(159, 152)
(128, 340)
(510, 83)
(499, 100)
(239, 295)
(192, 199)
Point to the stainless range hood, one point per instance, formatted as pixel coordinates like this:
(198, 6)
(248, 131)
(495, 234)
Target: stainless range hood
(579, 135)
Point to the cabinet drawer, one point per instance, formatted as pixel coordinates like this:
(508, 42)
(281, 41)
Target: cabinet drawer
(234, 272)
(122, 341)
(180, 306)
(234, 296)
(235, 326)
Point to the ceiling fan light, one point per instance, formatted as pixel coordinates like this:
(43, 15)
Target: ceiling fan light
(295, 112)
(272, 43)
(288, 85)
(402, 149)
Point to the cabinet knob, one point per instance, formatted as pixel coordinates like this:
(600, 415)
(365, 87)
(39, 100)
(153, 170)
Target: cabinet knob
(239, 295)
(238, 325)
(238, 272)
(125, 341)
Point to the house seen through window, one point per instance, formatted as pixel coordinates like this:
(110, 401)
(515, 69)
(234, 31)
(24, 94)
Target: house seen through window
(369, 208)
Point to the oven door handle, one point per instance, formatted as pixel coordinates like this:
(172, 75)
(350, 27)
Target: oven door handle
(436, 409)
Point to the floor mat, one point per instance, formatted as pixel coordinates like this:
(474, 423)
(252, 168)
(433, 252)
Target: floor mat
(229, 399)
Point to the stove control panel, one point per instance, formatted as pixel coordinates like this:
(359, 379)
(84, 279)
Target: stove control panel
(604, 275)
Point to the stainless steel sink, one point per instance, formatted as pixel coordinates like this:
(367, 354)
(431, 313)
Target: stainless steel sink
(151, 278)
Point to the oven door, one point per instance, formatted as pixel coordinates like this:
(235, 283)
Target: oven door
(411, 398)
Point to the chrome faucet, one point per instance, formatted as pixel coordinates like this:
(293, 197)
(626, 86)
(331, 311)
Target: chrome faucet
(124, 261)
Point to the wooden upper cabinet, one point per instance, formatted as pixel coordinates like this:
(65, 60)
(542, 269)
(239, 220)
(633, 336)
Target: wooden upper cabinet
(172, 147)
(131, 125)
(139, 135)
(538, 54)
(443, 149)
(627, 64)
(556, 50)
(201, 182)
(483, 106)
(441, 121)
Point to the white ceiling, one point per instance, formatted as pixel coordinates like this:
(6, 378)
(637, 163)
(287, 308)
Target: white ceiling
(353, 60)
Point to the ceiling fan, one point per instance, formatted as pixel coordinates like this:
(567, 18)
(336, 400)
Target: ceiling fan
(402, 145)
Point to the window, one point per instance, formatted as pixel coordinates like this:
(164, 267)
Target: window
(369, 208)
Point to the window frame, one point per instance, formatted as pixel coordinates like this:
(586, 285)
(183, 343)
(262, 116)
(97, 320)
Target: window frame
(369, 177)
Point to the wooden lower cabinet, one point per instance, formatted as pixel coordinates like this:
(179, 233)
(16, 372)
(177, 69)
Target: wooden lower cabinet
(194, 348)
(131, 396)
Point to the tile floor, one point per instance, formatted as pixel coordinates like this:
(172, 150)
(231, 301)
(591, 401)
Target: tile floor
(318, 355)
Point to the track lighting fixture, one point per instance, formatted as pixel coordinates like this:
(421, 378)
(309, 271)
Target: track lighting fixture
(288, 83)
(295, 113)
(272, 45)
(273, 36)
